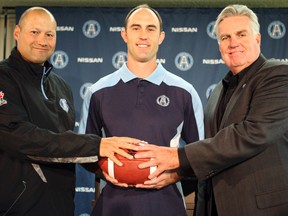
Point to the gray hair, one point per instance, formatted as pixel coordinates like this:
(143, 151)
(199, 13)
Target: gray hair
(237, 10)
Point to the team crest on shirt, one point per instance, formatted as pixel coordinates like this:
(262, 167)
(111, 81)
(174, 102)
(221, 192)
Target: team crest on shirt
(163, 100)
(2, 100)
(63, 103)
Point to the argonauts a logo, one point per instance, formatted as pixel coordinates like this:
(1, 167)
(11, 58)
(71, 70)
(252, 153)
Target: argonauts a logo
(119, 59)
(59, 59)
(91, 29)
(184, 61)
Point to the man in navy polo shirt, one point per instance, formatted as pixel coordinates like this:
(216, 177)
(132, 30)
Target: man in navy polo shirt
(143, 100)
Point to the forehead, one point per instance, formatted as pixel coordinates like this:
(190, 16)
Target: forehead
(234, 23)
(38, 19)
(143, 15)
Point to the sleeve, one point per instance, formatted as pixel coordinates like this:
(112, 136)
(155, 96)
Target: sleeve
(193, 127)
(25, 140)
(90, 121)
(193, 130)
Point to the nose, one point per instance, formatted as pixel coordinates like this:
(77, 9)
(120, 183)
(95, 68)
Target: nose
(143, 34)
(234, 41)
(41, 39)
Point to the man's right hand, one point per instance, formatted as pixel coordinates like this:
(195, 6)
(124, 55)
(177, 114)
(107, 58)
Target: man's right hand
(111, 145)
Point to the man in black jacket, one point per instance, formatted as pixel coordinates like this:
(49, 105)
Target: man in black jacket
(37, 147)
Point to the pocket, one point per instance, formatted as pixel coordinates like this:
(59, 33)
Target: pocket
(271, 199)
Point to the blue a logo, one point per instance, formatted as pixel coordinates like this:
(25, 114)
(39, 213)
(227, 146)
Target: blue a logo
(59, 59)
(276, 30)
(163, 100)
(83, 89)
(210, 31)
(119, 59)
(91, 28)
(184, 61)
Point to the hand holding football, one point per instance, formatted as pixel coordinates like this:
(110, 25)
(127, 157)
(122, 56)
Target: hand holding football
(129, 172)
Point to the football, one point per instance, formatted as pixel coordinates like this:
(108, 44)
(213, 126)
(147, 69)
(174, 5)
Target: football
(127, 173)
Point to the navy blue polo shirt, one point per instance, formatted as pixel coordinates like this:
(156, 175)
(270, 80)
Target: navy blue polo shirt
(162, 109)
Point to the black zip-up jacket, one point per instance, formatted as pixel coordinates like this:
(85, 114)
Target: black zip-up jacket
(37, 143)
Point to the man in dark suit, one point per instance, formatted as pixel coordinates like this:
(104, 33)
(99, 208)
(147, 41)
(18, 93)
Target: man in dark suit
(243, 162)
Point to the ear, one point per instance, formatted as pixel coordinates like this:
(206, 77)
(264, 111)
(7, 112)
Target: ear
(16, 32)
(161, 38)
(258, 38)
(124, 35)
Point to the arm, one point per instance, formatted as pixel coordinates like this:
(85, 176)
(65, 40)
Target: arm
(257, 122)
(27, 141)
(258, 119)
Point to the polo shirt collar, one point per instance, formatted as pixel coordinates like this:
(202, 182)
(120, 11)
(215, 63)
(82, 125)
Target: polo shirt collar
(155, 77)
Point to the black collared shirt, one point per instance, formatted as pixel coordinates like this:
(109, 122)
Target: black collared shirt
(230, 83)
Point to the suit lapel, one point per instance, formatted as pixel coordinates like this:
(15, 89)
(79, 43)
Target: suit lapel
(212, 109)
(238, 91)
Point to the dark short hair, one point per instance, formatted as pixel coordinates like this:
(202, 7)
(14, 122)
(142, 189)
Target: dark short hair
(144, 6)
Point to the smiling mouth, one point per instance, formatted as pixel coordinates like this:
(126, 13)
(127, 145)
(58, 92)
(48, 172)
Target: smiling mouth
(40, 49)
(142, 45)
(235, 52)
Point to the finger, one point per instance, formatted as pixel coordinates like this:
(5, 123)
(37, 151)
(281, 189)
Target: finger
(130, 147)
(149, 163)
(147, 147)
(114, 181)
(122, 185)
(109, 178)
(128, 140)
(153, 182)
(156, 173)
(144, 154)
(116, 160)
(145, 186)
(124, 154)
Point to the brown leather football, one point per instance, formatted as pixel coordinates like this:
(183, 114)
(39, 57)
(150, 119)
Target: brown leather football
(127, 173)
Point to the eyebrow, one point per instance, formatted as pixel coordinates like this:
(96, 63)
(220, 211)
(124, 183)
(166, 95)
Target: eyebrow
(241, 31)
(148, 26)
(238, 32)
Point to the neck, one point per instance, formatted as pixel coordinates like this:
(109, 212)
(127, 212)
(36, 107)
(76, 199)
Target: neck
(142, 69)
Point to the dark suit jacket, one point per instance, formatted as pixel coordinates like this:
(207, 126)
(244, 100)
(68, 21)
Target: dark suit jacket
(245, 161)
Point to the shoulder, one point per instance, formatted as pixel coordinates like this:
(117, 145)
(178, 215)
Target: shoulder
(57, 78)
(273, 63)
(272, 74)
(8, 75)
(174, 80)
(4, 67)
(106, 81)
(59, 83)
(272, 70)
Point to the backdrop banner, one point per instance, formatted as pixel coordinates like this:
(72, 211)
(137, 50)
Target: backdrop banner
(89, 46)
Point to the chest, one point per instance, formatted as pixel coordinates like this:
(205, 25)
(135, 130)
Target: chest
(48, 105)
(142, 108)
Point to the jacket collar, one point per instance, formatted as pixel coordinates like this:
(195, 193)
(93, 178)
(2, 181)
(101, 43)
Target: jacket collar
(213, 104)
(249, 72)
(17, 62)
